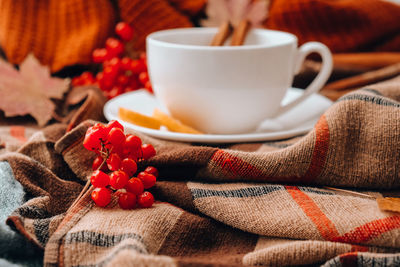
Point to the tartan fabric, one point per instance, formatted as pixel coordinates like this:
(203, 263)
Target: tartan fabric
(227, 205)
(12, 137)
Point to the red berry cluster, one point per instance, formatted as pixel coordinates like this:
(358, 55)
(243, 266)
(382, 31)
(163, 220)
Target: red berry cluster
(119, 73)
(115, 166)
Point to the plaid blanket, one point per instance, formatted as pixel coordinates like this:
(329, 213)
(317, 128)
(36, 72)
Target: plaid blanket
(227, 205)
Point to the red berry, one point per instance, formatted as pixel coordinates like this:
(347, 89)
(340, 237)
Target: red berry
(143, 77)
(110, 74)
(137, 66)
(114, 124)
(135, 186)
(76, 81)
(88, 77)
(113, 162)
(118, 179)
(124, 31)
(114, 46)
(116, 91)
(129, 89)
(152, 170)
(126, 63)
(134, 82)
(114, 64)
(129, 166)
(133, 142)
(145, 200)
(148, 151)
(104, 84)
(127, 200)
(99, 179)
(116, 137)
(134, 154)
(100, 55)
(101, 196)
(93, 137)
(97, 163)
(144, 62)
(117, 149)
(148, 87)
(122, 80)
(100, 130)
(149, 180)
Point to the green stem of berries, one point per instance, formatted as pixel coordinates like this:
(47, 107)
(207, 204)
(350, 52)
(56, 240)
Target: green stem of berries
(115, 168)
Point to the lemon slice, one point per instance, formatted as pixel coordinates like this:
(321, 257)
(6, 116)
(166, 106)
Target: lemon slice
(173, 124)
(138, 118)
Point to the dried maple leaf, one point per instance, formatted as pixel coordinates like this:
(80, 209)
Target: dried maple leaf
(29, 90)
(219, 11)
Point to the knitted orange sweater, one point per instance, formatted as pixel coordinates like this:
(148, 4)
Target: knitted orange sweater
(61, 33)
(65, 32)
(343, 25)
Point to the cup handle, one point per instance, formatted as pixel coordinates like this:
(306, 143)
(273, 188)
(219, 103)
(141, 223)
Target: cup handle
(322, 76)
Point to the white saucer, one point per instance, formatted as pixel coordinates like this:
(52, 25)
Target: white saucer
(299, 120)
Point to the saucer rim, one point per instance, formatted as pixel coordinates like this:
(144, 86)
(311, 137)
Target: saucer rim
(203, 138)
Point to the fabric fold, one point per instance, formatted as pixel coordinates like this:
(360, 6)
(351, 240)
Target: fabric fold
(226, 205)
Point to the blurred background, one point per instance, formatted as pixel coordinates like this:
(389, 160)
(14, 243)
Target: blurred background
(64, 34)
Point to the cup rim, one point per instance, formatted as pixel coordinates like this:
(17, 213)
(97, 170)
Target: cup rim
(152, 38)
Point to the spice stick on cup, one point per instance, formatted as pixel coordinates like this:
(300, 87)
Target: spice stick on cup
(223, 33)
(240, 32)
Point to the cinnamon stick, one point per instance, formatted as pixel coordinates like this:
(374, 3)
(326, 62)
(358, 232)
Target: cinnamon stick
(365, 78)
(384, 203)
(366, 60)
(223, 33)
(240, 32)
(349, 192)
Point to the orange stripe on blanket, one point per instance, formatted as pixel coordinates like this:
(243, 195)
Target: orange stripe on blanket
(84, 204)
(320, 150)
(18, 132)
(236, 167)
(325, 227)
(370, 230)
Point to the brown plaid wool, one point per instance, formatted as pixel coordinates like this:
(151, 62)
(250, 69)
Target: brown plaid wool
(227, 205)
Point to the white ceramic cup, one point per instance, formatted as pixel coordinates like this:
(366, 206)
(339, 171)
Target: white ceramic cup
(228, 89)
